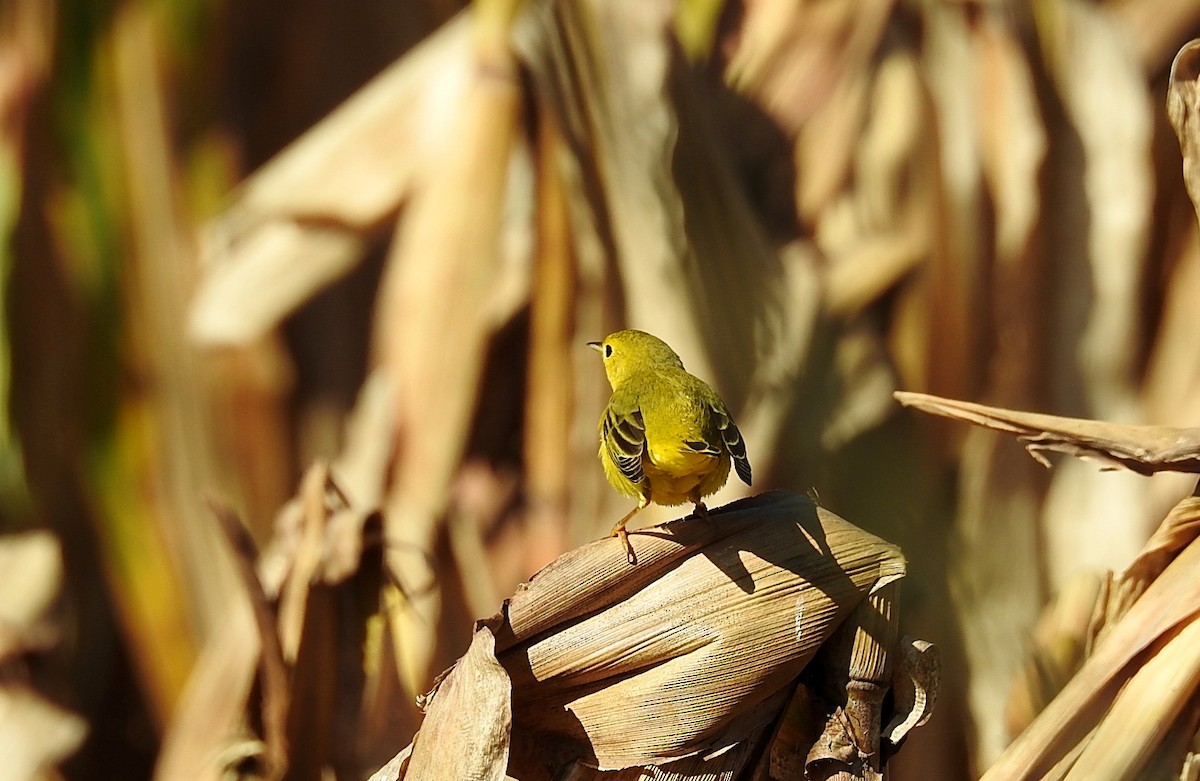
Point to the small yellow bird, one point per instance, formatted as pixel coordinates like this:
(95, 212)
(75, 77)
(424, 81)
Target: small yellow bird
(666, 436)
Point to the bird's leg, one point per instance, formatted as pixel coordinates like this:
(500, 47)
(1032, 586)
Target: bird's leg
(619, 531)
(699, 511)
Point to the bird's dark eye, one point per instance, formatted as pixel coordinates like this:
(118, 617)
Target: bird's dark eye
(608, 351)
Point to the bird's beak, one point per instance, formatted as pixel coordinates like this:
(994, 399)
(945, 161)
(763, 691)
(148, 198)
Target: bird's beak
(594, 345)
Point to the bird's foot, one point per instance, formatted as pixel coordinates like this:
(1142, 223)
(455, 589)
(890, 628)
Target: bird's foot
(620, 533)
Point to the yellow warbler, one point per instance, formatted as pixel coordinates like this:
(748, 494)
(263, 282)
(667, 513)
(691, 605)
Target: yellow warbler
(666, 436)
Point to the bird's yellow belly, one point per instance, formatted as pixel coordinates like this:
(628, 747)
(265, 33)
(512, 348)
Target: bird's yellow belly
(680, 476)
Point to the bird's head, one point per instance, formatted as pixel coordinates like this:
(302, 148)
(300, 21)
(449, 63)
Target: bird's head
(627, 353)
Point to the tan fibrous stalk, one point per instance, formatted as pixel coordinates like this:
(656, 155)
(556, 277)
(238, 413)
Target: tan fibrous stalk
(875, 635)
(849, 747)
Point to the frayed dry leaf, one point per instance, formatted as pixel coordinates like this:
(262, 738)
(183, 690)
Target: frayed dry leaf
(307, 558)
(320, 699)
(1141, 449)
(466, 729)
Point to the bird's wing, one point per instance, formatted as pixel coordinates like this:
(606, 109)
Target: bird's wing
(734, 444)
(624, 434)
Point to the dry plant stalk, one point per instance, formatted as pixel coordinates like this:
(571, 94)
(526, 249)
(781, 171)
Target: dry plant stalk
(687, 661)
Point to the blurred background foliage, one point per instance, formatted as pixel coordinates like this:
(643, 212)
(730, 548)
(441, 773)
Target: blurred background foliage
(817, 202)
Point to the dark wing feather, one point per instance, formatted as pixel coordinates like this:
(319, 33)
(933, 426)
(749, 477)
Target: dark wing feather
(734, 444)
(625, 437)
(702, 447)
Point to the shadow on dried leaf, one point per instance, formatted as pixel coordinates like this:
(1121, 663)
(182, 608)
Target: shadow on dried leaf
(774, 613)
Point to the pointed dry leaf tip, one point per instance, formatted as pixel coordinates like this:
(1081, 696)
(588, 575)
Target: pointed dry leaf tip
(1179, 529)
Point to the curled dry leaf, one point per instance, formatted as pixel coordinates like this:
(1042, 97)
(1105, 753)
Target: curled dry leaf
(1141, 449)
(683, 664)
(915, 685)
(716, 619)
(1183, 109)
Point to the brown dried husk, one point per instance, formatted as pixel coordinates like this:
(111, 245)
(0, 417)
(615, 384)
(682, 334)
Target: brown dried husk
(693, 650)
